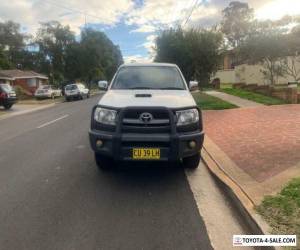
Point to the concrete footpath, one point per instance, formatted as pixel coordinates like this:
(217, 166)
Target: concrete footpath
(20, 109)
(253, 151)
(243, 103)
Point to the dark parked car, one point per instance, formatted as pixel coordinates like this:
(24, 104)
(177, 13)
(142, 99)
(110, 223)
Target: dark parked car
(8, 96)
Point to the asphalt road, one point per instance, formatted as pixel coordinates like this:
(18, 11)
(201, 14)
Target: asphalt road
(52, 195)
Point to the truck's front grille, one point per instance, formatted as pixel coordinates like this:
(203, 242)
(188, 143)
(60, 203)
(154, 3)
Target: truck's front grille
(159, 122)
(157, 113)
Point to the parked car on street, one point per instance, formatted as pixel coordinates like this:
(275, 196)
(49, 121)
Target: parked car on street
(8, 96)
(147, 114)
(76, 91)
(47, 91)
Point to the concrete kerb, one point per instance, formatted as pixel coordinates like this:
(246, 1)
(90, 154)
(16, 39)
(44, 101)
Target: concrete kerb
(238, 196)
(5, 116)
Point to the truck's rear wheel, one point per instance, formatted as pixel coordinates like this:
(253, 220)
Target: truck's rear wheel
(103, 162)
(191, 162)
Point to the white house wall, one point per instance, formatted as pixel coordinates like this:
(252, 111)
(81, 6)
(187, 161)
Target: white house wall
(225, 76)
(250, 74)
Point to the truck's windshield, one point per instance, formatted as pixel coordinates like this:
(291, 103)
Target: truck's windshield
(148, 77)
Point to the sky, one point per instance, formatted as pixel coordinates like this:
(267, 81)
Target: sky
(133, 24)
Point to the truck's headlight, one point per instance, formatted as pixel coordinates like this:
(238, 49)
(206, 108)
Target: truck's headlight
(188, 116)
(105, 116)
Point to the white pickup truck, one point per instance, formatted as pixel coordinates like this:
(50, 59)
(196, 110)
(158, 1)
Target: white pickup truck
(147, 114)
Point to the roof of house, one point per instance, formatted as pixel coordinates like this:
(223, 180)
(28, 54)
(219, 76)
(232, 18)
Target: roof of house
(12, 74)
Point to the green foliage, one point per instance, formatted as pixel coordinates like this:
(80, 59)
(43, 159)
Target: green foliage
(53, 40)
(207, 102)
(93, 58)
(292, 191)
(12, 42)
(10, 36)
(20, 93)
(4, 62)
(282, 211)
(266, 49)
(194, 51)
(55, 52)
(267, 100)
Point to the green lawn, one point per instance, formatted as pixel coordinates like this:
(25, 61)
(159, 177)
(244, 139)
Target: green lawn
(282, 211)
(226, 85)
(267, 100)
(206, 102)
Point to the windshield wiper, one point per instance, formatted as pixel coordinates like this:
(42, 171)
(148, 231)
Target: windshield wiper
(175, 88)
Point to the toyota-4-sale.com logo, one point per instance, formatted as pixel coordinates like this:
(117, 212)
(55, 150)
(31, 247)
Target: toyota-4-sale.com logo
(264, 240)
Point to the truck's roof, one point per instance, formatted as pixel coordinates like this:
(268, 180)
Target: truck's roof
(149, 64)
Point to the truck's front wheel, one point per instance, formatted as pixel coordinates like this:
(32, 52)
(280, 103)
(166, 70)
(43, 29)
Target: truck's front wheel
(103, 162)
(191, 162)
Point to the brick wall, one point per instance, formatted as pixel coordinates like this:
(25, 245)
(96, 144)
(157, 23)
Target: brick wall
(29, 90)
(287, 94)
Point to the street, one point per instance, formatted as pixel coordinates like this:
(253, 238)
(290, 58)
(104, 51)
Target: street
(52, 196)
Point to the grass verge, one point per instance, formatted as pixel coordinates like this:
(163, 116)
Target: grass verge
(267, 100)
(206, 102)
(282, 211)
(34, 101)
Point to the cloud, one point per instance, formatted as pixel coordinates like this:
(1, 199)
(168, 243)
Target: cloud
(158, 14)
(137, 59)
(150, 43)
(144, 29)
(72, 12)
(146, 16)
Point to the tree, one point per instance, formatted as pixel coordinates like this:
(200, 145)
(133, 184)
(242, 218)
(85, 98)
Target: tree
(53, 40)
(12, 43)
(4, 62)
(237, 22)
(196, 52)
(267, 49)
(101, 57)
(290, 63)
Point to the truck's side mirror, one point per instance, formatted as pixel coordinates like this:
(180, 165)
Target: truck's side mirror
(193, 85)
(103, 85)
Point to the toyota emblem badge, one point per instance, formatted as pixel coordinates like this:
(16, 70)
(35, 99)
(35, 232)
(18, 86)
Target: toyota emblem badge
(146, 117)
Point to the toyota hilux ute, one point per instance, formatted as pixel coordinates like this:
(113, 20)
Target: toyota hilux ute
(147, 114)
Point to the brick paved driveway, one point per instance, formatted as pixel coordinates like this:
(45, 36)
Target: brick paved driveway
(262, 141)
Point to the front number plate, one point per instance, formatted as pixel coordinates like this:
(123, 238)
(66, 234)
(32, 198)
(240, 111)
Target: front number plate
(146, 153)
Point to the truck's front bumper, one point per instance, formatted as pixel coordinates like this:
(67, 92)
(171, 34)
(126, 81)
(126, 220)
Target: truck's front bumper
(120, 146)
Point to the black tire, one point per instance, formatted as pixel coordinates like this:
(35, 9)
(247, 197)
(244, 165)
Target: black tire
(192, 162)
(103, 162)
(7, 106)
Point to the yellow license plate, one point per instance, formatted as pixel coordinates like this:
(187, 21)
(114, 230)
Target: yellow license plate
(146, 153)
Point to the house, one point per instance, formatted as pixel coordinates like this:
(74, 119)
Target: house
(29, 81)
(233, 70)
(229, 60)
